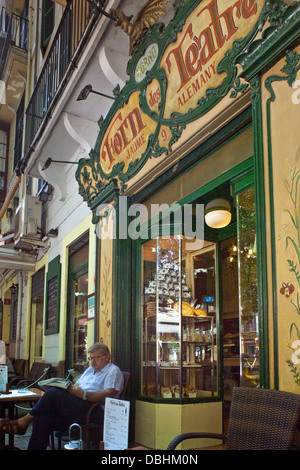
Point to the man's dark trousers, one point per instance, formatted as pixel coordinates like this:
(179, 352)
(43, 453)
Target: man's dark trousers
(56, 411)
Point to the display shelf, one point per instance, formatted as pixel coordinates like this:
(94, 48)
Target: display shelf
(178, 332)
(181, 356)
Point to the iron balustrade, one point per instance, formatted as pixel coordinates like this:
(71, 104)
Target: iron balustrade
(15, 29)
(77, 19)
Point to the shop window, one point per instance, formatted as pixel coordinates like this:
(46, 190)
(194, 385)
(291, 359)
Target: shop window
(240, 300)
(179, 319)
(230, 315)
(14, 315)
(78, 305)
(37, 313)
(199, 316)
(248, 307)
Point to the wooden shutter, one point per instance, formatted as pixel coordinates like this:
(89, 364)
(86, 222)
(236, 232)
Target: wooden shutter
(48, 16)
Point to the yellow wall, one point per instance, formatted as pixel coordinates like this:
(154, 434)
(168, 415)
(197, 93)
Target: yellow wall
(76, 233)
(282, 177)
(156, 424)
(7, 309)
(39, 265)
(105, 286)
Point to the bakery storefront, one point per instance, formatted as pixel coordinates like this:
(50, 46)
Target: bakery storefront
(194, 185)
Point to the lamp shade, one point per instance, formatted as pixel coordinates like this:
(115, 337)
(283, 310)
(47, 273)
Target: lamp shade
(218, 213)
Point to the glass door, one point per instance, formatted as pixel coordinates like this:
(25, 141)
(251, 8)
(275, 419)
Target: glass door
(37, 315)
(194, 298)
(179, 354)
(248, 302)
(77, 306)
(230, 316)
(239, 300)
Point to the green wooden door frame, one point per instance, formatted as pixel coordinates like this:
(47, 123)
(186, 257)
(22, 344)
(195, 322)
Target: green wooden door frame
(53, 274)
(74, 273)
(241, 177)
(126, 327)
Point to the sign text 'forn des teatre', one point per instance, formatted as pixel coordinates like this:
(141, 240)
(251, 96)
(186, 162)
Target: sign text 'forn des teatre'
(126, 135)
(191, 62)
(190, 65)
(176, 77)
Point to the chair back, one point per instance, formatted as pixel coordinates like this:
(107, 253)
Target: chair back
(19, 366)
(262, 419)
(125, 386)
(37, 370)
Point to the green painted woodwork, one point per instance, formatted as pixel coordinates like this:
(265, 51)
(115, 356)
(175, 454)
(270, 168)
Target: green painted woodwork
(283, 31)
(260, 231)
(254, 55)
(240, 178)
(53, 279)
(274, 10)
(290, 71)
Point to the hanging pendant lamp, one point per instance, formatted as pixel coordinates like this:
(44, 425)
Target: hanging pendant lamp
(218, 213)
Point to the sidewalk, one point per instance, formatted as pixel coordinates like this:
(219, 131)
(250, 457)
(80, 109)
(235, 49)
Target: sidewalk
(21, 442)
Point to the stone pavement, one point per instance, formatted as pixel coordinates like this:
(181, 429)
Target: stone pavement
(21, 442)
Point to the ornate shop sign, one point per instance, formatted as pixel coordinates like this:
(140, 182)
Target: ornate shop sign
(177, 74)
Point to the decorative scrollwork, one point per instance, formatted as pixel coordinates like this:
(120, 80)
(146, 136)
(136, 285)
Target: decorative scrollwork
(145, 18)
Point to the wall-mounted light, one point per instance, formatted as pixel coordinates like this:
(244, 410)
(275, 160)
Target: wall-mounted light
(50, 161)
(218, 213)
(89, 89)
(53, 232)
(9, 213)
(97, 5)
(13, 288)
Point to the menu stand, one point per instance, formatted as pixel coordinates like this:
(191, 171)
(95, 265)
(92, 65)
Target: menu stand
(6, 391)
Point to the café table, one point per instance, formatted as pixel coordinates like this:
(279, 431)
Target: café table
(8, 402)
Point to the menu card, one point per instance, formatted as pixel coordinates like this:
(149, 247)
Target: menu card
(116, 424)
(3, 378)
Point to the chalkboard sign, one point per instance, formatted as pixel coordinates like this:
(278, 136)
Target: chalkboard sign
(1, 317)
(53, 297)
(14, 319)
(52, 303)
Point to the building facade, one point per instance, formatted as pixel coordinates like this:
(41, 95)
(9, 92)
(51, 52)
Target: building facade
(150, 197)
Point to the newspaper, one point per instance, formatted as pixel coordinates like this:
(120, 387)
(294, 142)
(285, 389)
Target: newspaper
(55, 382)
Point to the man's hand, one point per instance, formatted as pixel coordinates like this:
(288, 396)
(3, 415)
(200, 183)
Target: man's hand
(76, 391)
(92, 396)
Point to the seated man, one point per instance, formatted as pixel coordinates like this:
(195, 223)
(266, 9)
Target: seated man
(59, 408)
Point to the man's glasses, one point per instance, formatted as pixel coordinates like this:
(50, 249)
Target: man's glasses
(95, 357)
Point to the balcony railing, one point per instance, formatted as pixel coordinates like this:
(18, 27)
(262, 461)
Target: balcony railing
(77, 20)
(15, 29)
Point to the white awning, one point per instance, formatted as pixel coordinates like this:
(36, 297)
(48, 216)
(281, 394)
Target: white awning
(15, 260)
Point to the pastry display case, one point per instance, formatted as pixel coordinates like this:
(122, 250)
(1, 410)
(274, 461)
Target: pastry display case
(179, 320)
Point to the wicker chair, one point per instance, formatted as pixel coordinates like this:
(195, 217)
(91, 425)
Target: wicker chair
(38, 370)
(260, 419)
